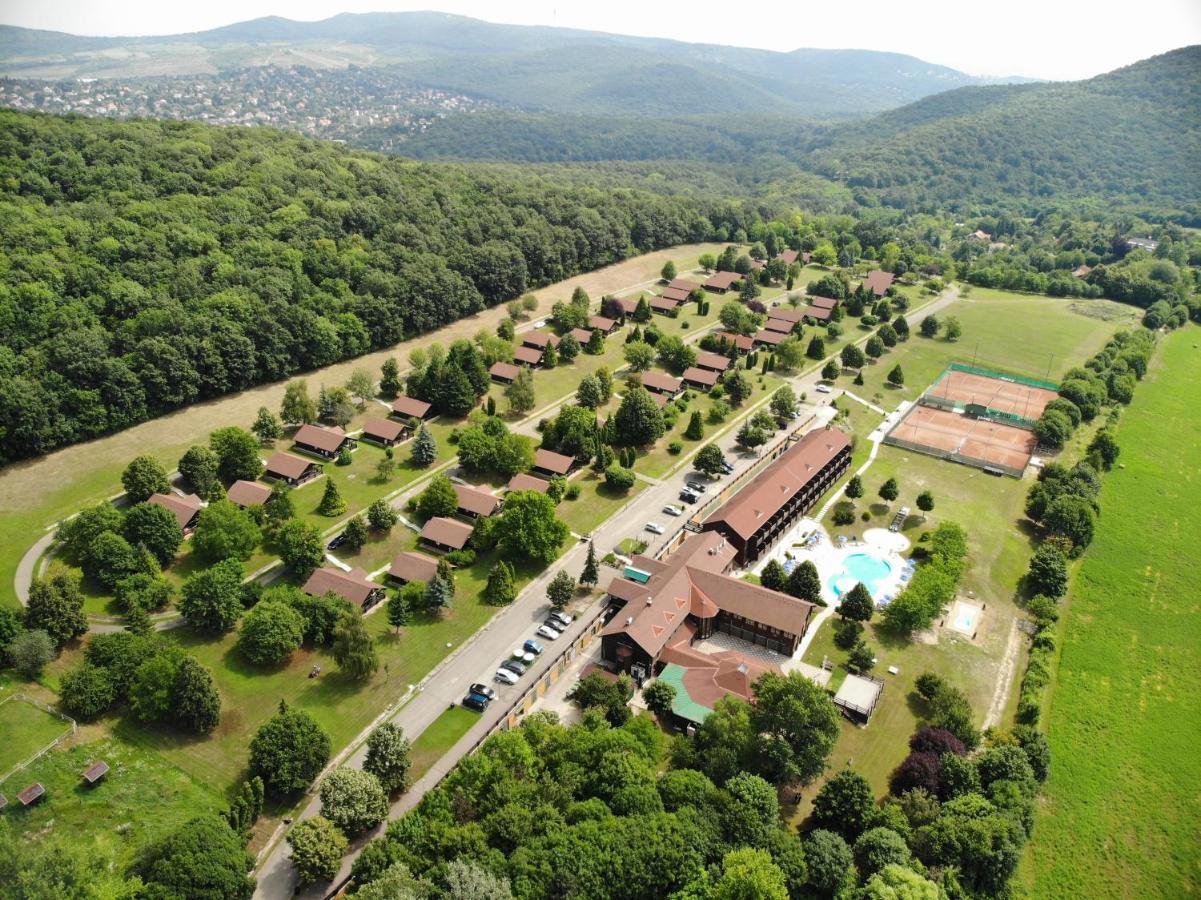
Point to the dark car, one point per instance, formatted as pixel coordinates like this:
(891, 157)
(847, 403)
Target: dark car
(483, 689)
(695, 486)
(689, 497)
(478, 702)
(727, 468)
(338, 541)
(513, 666)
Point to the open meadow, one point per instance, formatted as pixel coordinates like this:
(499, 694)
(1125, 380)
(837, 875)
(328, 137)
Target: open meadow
(1121, 808)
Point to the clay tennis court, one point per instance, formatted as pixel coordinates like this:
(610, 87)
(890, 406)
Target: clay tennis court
(1004, 396)
(977, 440)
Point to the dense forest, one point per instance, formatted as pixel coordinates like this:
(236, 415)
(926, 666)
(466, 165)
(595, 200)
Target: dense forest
(147, 265)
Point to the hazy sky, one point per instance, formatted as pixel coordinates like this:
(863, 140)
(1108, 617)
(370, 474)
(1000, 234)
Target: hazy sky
(1039, 38)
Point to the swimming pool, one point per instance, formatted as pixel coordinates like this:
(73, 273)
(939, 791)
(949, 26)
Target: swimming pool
(865, 567)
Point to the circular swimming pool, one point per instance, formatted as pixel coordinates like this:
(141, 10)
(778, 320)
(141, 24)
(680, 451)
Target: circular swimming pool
(857, 567)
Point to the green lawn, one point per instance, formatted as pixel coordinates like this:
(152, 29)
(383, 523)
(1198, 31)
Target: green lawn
(26, 730)
(443, 733)
(141, 798)
(1121, 806)
(596, 502)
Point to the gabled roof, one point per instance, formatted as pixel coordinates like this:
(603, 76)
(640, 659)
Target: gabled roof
(788, 256)
(770, 337)
(549, 461)
(183, 508)
(823, 302)
(877, 281)
(475, 501)
(504, 370)
(659, 382)
(713, 361)
(248, 493)
(322, 437)
(667, 304)
(409, 407)
(447, 532)
(354, 585)
(602, 322)
(683, 284)
(628, 305)
(777, 484)
(540, 339)
(410, 566)
(527, 355)
(383, 429)
(779, 326)
(524, 482)
(741, 341)
(288, 466)
(785, 314)
(817, 312)
(582, 335)
(697, 375)
(723, 280)
(671, 293)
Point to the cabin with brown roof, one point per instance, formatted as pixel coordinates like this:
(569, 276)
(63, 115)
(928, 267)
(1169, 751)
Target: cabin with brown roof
(475, 503)
(549, 463)
(787, 256)
(785, 314)
(818, 314)
(823, 302)
(878, 281)
(409, 566)
(323, 441)
(664, 306)
(603, 324)
(539, 340)
(628, 305)
(528, 356)
(292, 470)
(525, 482)
(444, 535)
(769, 339)
(661, 383)
(701, 379)
(385, 432)
(720, 282)
(779, 326)
(186, 509)
(354, 586)
(682, 284)
(582, 335)
(754, 518)
(665, 606)
(405, 407)
(741, 342)
(714, 361)
(680, 295)
(503, 372)
(248, 493)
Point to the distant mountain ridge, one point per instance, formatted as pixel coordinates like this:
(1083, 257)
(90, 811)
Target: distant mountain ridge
(535, 68)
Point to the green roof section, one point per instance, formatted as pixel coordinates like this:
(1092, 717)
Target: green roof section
(683, 705)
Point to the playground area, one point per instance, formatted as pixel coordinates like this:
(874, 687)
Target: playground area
(976, 417)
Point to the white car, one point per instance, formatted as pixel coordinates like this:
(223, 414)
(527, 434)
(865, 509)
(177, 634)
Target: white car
(505, 676)
(561, 617)
(673, 510)
(524, 655)
(654, 527)
(547, 632)
(824, 389)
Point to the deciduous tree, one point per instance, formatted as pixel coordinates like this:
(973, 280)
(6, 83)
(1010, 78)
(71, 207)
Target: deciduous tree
(212, 599)
(353, 800)
(388, 757)
(317, 849)
(225, 531)
(353, 646)
(288, 751)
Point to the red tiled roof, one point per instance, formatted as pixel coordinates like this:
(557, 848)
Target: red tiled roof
(183, 508)
(447, 532)
(523, 482)
(410, 566)
(527, 355)
(473, 500)
(354, 585)
(287, 465)
(697, 375)
(504, 370)
(713, 361)
(409, 407)
(658, 382)
(322, 437)
(782, 480)
(384, 429)
(723, 280)
(877, 280)
(248, 493)
(549, 461)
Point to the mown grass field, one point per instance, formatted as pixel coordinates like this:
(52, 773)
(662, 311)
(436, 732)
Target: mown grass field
(442, 734)
(1121, 809)
(25, 730)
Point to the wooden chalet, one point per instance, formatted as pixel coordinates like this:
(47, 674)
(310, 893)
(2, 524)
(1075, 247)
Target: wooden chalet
(186, 509)
(742, 343)
(603, 324)
(539, 340)
(878, 281)
(323, 441)
(662, 383)
(475, 503)
(525, 482)
(720, 282)
(550, 464)
(769, 339)
(385, 432)
(714, 361)
(405, 407)
(582, 336)
(529, 357)
(503, 372)
(664, 306)
(701, 379)
(444, 535)
(779, 326)
(31, 794)
(292, 470)
(410, 566)
(354, 586)
(788, 257)
(248, 493)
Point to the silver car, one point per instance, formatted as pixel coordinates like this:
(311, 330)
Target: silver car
(504, 676)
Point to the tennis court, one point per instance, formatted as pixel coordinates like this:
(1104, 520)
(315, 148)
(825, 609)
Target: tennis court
(997, 393)
(956, 436)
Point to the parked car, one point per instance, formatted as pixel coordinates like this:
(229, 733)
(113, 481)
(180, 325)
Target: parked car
(517, 668)
(673, 510)
(558, 616)
(695, 486)
(478, 702)
(504, 676)
(654, 527)
(524, 656)
(824, 389)
(338, 540)
(727, 467)
(483, 689)
(532, 646)
(688, 496)
(547, 632)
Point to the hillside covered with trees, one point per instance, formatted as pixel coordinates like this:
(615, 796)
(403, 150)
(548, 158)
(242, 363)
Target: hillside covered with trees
(148, 265)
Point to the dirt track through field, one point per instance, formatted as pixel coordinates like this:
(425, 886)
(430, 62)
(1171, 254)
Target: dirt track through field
(24, 485)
